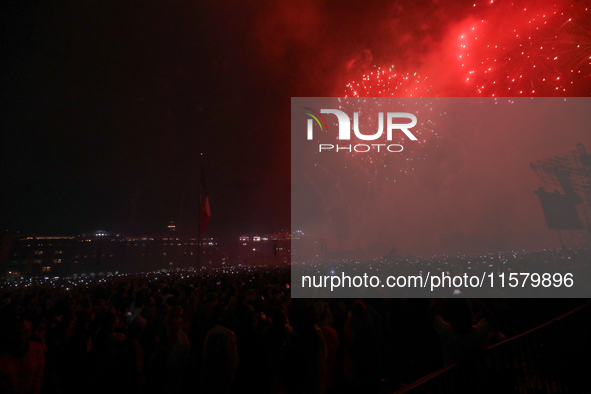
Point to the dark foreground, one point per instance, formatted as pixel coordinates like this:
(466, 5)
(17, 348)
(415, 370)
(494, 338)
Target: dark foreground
(237, 330)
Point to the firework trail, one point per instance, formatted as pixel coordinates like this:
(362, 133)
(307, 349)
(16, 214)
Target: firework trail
(542, 50)
(501, 50)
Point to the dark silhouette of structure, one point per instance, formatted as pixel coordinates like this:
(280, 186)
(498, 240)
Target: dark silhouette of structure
(566, 195)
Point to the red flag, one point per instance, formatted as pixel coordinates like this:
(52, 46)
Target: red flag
(204, 211)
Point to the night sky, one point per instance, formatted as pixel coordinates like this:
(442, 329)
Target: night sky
(108, 105)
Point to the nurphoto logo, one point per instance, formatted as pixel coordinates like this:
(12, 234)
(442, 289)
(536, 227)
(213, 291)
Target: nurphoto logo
(395, 122)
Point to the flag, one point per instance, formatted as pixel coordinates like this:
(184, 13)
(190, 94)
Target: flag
(204, 211)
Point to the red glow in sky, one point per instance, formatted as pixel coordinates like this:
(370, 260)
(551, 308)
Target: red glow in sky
(501, 50)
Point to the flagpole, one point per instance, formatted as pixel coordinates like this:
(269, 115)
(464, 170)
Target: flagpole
(199, 211)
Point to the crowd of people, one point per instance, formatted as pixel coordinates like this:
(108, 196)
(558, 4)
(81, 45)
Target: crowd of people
(235, 330)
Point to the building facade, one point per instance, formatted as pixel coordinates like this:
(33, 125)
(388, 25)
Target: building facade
(104, 252)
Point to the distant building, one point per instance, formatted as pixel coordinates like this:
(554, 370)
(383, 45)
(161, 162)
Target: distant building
(268, 249)
(104, 252)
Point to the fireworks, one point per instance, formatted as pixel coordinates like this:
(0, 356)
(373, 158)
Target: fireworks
(387, 82)
(502, 50)
(538, 51)
(373, 164)
(499, 50)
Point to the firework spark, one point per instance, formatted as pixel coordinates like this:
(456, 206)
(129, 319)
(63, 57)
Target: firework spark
(387, 82)
(539, 51)
(501, 50)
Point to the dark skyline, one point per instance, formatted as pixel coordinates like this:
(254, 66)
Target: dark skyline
(108, 106)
